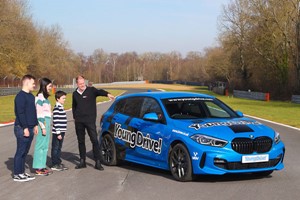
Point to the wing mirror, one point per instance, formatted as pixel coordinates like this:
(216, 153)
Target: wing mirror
(151, 117)
(239, 113)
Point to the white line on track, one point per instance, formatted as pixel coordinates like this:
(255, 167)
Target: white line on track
(272, 122)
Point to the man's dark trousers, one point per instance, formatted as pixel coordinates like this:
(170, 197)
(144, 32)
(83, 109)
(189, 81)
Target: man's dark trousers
(91, 130)
(23, 146)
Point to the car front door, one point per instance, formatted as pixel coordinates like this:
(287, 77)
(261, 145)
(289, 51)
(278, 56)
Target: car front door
(150, 145)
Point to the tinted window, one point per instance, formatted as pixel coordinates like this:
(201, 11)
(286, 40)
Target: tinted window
(150, 105)
(193, 108)
(133, 106)
(120, 105)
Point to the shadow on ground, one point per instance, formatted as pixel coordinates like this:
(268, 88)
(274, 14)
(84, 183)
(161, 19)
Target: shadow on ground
(197, 178)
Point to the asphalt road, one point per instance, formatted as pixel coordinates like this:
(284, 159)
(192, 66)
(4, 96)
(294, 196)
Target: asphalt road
(131, 181)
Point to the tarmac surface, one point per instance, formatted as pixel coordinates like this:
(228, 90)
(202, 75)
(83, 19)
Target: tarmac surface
(132, 181)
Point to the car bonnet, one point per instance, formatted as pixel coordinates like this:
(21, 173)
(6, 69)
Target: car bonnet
(223, 128)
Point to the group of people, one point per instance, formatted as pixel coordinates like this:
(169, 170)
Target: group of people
(34, 117)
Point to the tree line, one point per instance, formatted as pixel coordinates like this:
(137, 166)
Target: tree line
(258, 49)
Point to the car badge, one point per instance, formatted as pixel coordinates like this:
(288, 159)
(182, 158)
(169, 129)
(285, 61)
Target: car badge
(251, 136)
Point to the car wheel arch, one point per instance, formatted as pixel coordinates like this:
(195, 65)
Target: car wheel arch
(173, 143)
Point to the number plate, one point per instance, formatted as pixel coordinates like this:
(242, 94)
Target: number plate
(255, 158)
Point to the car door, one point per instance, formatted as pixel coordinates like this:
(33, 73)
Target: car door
(150, 147)
(122, 131)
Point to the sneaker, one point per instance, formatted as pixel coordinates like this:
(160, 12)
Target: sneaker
(47, 171)
(57, 168)
(20, 178)
(29, 177)
(41, 172)
(64, 167)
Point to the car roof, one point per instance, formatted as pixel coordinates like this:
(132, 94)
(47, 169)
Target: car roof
(167, 95)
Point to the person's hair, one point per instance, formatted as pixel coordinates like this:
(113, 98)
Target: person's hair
(27, 77)
(43, 87)
(79, 77)
(59, 94)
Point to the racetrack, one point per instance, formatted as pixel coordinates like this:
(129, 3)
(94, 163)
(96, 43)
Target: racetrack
(131, 181)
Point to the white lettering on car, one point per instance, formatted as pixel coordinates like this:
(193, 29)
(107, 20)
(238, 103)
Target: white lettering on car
(137, 139)
(198, 126)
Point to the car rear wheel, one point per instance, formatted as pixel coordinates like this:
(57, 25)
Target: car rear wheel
(180, 163)
(108, 150)
(263, 174)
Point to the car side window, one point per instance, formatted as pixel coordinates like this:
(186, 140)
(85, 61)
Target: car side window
(120, 105)
(133, 106)
(150, 105)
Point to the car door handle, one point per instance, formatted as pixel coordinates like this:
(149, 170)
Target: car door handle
(137, 124)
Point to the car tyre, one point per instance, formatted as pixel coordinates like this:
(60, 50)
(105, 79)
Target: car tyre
(108, 150)
(180, 163)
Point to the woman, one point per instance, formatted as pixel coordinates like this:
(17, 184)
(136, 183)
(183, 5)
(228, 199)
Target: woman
(43, 109)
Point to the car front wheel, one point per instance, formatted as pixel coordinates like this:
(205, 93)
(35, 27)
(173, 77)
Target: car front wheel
(108, 150)
(180, 163)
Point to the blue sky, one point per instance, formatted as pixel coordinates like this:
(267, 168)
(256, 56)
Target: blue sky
(132, 25)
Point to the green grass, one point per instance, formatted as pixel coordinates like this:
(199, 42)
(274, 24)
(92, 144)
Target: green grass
(7, 104)
(278, 111)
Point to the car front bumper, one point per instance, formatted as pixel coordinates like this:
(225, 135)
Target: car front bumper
(219, 161)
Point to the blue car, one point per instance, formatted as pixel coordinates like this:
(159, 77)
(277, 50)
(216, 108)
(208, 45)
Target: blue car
(188, 134)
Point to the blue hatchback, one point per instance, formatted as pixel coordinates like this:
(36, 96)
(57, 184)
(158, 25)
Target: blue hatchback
(188, 134)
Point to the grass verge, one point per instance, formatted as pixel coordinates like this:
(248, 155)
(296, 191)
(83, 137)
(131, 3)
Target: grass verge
(278, 111)
(7, 104)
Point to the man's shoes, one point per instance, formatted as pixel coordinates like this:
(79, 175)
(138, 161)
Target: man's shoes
(29, 177)
(98, 165)
(20, 178)
(81, 165)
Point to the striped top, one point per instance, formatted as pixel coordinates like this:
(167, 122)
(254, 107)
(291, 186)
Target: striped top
(59, 119)
(43, 109)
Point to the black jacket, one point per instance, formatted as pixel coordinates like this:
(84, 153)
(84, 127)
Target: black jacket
(84, 106)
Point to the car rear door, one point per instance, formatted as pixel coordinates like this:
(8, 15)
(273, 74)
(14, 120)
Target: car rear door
(122, 131)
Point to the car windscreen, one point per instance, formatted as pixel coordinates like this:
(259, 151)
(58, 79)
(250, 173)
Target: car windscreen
(194, 108)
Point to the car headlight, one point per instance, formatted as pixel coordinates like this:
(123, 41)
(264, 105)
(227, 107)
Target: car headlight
(209, 141)
(277, 138)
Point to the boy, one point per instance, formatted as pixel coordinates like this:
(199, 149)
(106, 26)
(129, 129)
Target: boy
(58, 131)
(25, 127)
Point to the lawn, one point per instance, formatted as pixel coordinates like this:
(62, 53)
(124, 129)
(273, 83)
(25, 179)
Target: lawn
(7, 104)
(278, 111)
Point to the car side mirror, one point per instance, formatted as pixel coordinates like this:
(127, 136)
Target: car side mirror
(239, 113)
(151, 117)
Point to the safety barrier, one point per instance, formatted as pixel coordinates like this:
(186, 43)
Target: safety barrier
(295, 98)
(9, 91)
(219, 90)
(14, 91)
(251, 95)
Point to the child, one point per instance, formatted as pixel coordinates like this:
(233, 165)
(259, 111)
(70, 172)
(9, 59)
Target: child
(25, 127)
(59, 129)
(43, 109)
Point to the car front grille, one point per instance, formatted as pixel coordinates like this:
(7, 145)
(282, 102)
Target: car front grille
(241, 166)
(248, 146)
